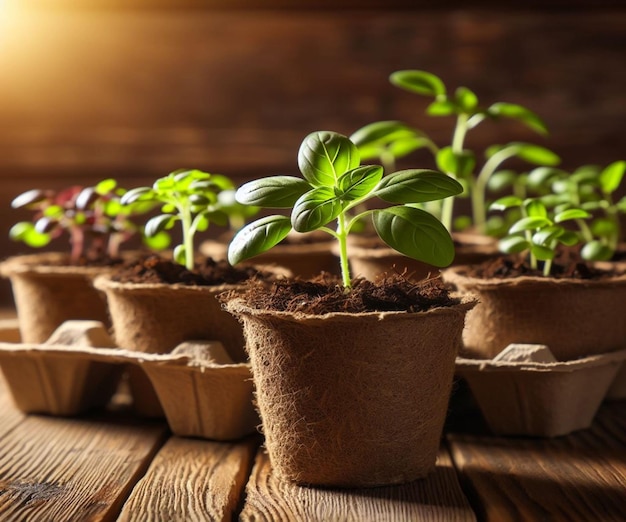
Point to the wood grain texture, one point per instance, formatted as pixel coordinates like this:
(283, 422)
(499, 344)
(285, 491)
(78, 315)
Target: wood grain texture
(10, 416)
(436, 498)
(579, 477)
(192, 480)
(72, 469)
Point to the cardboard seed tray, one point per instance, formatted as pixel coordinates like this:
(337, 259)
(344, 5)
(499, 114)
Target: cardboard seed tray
(202, 396)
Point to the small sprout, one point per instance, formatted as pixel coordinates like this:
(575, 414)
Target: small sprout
(91, 216)
(191, 197)
(538, 231)
(379, 140)
(335, 184)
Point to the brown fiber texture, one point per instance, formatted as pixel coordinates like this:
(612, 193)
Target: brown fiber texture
(574, 318)
(352, 400)
(617, 391)
(540, 399)
(155, 318)
(48, 293)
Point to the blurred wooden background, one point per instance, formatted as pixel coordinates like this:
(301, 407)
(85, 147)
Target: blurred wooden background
(134, 90)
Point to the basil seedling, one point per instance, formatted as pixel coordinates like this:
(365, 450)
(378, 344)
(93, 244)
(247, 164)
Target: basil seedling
(333, 186)
(188, 196)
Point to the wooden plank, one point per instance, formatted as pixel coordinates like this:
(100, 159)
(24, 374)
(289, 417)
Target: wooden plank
(437, 498)
(578, 477)
(192, 480)
(72, 469)
(10, 416)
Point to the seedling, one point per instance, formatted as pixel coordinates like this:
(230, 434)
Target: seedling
(334, 184)
(456, 160)
(592, 188)
(93, 218)
(538, 232)
(188, 196)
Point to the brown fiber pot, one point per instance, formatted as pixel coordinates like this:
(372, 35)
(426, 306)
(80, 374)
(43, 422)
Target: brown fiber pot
(573, 317)
(370, 257)
(155, 318)
(48, 291)
(352, 400)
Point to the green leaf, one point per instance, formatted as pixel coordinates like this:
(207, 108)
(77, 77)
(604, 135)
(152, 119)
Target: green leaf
(529, 223)
(462, 223)
(159, 223)
(316, 208)
(272, 192)
(417, 186)
(420, 82)
(201, 222)
(591, 206)
(542, 253)
(26, 232)
(517, 112)
(611, 176)
(501, 180)
(441, 108)
(535, 208)
(554, 200)
(54, 211)
(105, 186)
(138, 194)
(536, 154)
(621, 205)
(466, 99)
(405, 146)
(505, 203)
(324, 156)
(513, 245)
(596, 251)
(358, 182)
(572, 213)
(381, 134)
(159, 241)
(416, 234)
(459, 165)
(257, 237)
(603, 227)
(569, 238)
(179, 255)
(545, 235)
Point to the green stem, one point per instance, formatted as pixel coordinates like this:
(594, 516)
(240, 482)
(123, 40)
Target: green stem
(186, 219)
(612, 214)
(584, 230)
(479, 209)
(458, 139)
(388, 160)
(342, 237)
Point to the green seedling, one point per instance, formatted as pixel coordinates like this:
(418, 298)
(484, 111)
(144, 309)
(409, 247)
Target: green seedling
(538, 232)
(333, 185)
(190, 197)
(456, 160)
(93, 217)
(591, 188)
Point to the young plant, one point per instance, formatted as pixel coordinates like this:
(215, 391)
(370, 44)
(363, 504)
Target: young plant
(188, 196)
(93, 217)
(591, 188)
(538, 232)
(334, 184)
(456, 160)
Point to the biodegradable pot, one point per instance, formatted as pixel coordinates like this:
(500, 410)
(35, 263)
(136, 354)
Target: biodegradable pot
(540, 399)
(617, 391)
(56, 379)
(574, 317)
(48, 291)
(370, 257)
(352, 400)
(155, 318)
(305, 260)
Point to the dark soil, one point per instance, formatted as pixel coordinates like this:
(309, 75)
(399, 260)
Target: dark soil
(503, 267)
(154, 269)
(325, 294)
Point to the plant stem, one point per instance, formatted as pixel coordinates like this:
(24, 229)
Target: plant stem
(388, 160)
(458, 139)
(185, 213)
(584, 230)
(342, 237)
(479, 210)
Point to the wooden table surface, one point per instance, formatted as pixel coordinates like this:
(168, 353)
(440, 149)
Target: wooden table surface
(112, 466)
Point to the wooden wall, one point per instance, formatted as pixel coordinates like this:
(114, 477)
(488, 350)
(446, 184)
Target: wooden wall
(135, 93)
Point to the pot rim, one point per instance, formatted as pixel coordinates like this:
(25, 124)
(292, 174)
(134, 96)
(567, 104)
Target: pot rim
(105, 282)
(38, 264)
